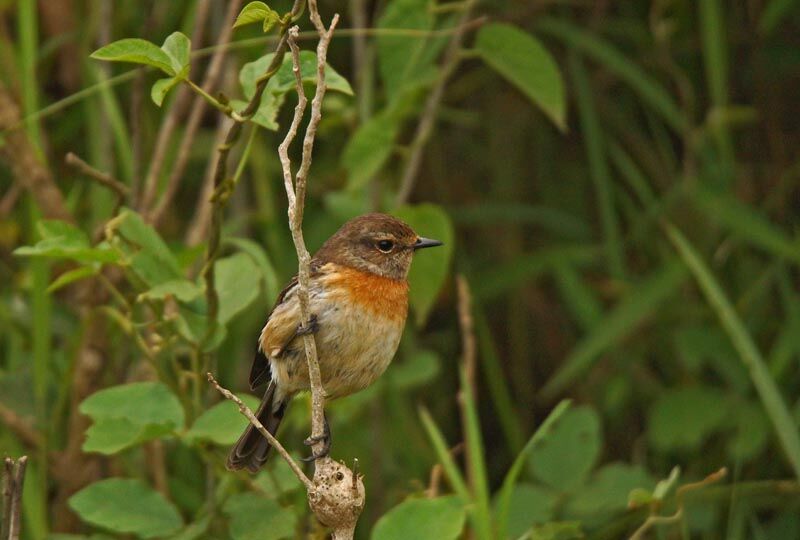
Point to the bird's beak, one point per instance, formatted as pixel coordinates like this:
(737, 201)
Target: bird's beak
(425, 243)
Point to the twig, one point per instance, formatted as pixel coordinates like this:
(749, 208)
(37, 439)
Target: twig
(24, 430)
(337, 498)
(210, 81)
(653, 520)
(245, 410)
(12, 497)
(26, 165)
(105, 179)
(468, 355)
(428, 118)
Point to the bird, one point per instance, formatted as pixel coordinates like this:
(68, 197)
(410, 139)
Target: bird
(358, 303)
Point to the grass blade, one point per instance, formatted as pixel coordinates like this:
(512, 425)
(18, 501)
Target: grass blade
(598, 166)
(768, 392)
(640, 301)
(599, 50)
(475, 462)
(443, 455)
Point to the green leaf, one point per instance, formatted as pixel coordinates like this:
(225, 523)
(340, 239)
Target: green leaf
(72, 276)
(112, 435)
(528, 505)
(144, 250)
(238, 283)
(253, 517)
(62, 240)
(431, 266)
(271, 284)
(607, 491)
(126, 506)
(136, 51)
(181, 289)
(525, 63)
(178, 48)
(683, 418)
(130, 414)
(564, 459)
(441, 518)
(503, 503)
(369, 148)
(161, 88)
(255, 12)
(223, 423)
(401, 59)
(283, 81)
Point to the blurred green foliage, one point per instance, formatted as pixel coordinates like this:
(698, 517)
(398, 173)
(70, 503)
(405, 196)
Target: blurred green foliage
(615, 180)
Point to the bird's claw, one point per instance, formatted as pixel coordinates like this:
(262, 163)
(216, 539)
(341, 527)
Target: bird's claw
(324, 438)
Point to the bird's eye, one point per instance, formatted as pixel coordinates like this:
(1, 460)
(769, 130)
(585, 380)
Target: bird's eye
(385, 245)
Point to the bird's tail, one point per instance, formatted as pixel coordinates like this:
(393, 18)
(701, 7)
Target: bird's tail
(252, 449)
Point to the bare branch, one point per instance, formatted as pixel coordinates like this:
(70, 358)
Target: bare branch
(103, 178)
(245, 410)
(12, 497)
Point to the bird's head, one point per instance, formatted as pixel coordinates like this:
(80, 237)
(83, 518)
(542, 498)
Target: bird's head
(376, 243)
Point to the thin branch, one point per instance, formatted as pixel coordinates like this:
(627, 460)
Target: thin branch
(12, 497)
(429, 113)
(247, 412)
(103, 178)
(468, 356)
(23, 429)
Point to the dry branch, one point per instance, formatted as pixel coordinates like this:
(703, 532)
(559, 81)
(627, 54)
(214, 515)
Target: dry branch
(13, 482)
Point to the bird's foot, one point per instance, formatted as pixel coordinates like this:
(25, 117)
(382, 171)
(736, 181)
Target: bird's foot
(312, 328)
(325, 439)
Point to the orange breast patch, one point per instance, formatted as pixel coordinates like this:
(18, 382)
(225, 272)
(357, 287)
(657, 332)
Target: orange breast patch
(385, 297)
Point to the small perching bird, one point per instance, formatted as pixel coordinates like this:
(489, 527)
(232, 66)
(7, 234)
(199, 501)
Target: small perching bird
(358, 301)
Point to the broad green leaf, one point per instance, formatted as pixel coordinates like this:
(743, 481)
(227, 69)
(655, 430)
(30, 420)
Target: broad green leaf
(161, 88)
(683, 418)
(222, 423)
(136, 51)
(259, 255)
(368, 149)
(441, 518)
(181, 289)
(62, 240)
(283, 81)
(402, 59)
(431, 266)
(564, 459)
(503, 503)
(607, 491)
(178, 48)
(266, 115)
(238, 283)
(259, 12)
(126, 506)
(253, 517)
(144, 250)
(525, 63)
(620, 321)
(72, 276)
(557, 530)
(141, 403)
(528, 505)
(112, 435)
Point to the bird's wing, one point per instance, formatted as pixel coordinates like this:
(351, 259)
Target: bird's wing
(279, 331)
